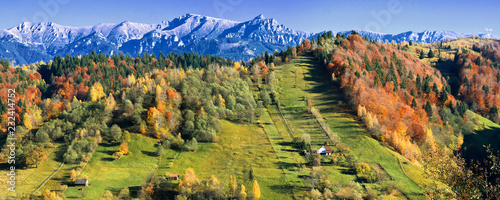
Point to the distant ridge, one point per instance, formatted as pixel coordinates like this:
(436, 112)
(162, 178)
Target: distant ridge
(33, 42)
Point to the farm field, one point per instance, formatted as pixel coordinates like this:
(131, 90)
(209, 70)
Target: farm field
(130, 171)
(28, 180)
(242, 151)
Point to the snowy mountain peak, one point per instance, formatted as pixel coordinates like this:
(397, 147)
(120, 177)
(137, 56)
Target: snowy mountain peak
(261, 16)
(31, 42)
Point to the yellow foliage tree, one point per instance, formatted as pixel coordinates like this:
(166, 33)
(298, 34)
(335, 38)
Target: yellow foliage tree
(73, 175)
(362, 168)
(243, 194)
(237, 66)
(27, 121)
(152, 113)
(256, 190)
(233, 185)
(401, 129)
(110, 103)
(96, 92)
(50, 195)
(131, 80)
(214, 181)
(220, 101)
(189, 178)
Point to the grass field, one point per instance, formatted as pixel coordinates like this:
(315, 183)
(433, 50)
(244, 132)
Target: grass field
(130, 171)
(289, 156)
(242, 150)
(27, 180)
(304, 79)
(486, 133)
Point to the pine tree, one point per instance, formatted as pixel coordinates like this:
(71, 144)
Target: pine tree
(428, 109)
(430, 54)
(422, 55)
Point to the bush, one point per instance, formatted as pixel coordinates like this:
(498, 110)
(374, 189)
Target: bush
(336, 158)
(124, 193)
(191, 145)
(362, 168)
(117, 155)
(314, 159)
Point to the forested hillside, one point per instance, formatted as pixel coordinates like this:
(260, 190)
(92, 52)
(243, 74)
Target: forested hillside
(409, 105)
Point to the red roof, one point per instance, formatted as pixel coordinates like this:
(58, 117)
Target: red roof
(328, 149)
(174, 175)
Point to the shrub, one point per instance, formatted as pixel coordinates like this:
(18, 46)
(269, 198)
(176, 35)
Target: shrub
(191, 145)
(117, 155)
(362, 168)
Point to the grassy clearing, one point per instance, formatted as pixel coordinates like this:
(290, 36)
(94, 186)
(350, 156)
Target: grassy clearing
(304, 79)
(130, 171)
(242, 150)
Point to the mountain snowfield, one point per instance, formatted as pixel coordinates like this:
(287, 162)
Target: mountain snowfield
(33, 42)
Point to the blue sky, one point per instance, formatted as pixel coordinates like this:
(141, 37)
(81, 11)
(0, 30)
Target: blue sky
(386, 16)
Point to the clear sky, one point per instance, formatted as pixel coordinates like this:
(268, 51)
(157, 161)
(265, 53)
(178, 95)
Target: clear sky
(386, 16)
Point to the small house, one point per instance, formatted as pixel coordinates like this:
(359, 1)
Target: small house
(81, 182)
(174, 177)
(325, 150)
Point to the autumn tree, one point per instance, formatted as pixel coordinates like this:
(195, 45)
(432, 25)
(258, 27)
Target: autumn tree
(123, 148)
(189, 178)
(243, 194)
(96, 92)
(36, 156)
(72, 175)
(233, 185)
(256, 190)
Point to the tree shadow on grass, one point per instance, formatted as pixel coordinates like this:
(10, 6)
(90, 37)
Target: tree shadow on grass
(149, 153)
(347, 171)
(60, 151)
(282, 187)
(108, 152)
(111, 144)
(108, 159)
(472, 148)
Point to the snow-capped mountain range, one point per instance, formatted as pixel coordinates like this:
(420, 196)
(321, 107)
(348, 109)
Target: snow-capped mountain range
(32, 42)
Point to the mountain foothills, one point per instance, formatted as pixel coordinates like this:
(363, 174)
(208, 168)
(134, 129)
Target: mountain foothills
(336, 116)
(34, 42)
